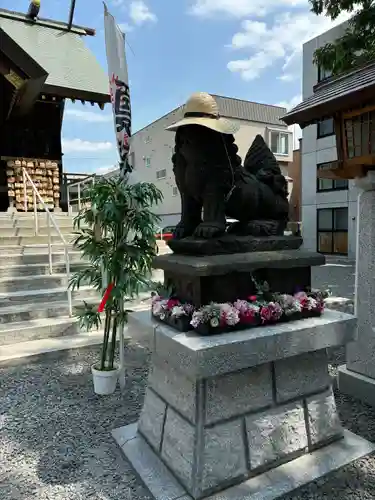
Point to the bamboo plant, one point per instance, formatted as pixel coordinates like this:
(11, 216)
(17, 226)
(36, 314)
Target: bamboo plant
(116, 236)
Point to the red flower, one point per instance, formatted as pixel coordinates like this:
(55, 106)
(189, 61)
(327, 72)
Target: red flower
(248, 316)
(304, 302)
(172, 303)
(253, 298)
(265, 314)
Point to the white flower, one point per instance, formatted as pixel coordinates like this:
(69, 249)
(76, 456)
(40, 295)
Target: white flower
(214, 322)
(162, 316)
(196, 320)
(312, 304)
(178, 311)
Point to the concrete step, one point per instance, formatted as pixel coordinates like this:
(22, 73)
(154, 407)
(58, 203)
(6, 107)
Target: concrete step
(32, 240)
(24, 331)
(15, 232)
(40, 257)
(29, 223)
(46, 328)
(38, 269)
(30, 311)
(45, 295)
(34, 350)
(34, 282)
(40, 248)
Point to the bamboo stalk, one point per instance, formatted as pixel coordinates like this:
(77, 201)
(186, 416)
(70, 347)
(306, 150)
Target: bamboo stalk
(113, 343)
(107, 326)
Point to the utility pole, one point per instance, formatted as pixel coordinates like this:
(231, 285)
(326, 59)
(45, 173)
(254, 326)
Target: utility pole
(71, 14)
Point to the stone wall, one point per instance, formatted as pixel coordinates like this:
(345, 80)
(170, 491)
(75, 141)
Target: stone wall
(218, 431)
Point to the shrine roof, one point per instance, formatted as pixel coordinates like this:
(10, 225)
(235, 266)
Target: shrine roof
(350, 90)
(73, 71)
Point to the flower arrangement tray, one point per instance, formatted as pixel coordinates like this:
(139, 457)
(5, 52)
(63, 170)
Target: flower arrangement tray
(183, 324)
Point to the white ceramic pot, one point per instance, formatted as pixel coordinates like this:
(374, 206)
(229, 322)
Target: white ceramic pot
(104, 381)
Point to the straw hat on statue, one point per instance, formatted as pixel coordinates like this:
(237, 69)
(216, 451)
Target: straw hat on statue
(202, 109)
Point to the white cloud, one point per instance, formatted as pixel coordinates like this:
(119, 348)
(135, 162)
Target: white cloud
(88, 116)
(240, 8)
(281, 42)
(291, 103)
(79, 146)
(125, 27)
(140, 13)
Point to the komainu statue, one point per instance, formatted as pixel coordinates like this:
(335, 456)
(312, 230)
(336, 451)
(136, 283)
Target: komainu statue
(214, 185)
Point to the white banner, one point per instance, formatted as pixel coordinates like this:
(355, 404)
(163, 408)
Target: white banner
(119, 88)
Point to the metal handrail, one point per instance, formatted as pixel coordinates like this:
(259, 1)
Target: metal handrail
(78, 184)
(50, 218)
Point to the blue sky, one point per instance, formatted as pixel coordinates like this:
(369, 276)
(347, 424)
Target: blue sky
(249, 49)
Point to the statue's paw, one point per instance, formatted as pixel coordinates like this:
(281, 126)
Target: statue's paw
(182, 231)
(207, 230)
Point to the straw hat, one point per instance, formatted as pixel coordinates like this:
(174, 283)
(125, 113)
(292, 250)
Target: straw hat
(202, 109)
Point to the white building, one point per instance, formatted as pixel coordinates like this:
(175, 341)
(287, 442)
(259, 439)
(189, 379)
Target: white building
(329, 208)
(152, 147)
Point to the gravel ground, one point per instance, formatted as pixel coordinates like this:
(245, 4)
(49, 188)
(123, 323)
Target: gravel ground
(55, 441)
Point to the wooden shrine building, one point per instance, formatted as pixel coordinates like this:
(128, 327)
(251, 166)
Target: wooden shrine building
(42, 63)
(350, 99)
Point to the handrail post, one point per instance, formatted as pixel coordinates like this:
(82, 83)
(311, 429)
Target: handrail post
(24, 190)
(68, 200)
(79, 196)
(69, 292)
(35, 214)
(49, 246)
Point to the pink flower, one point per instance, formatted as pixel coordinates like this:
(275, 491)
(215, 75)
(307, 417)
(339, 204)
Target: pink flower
(253, 298)
(276, 311)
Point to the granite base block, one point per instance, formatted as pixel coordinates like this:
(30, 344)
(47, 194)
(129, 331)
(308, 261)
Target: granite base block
(356, 385)
(215, 432)
(266, 486)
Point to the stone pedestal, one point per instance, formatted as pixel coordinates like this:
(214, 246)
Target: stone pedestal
(226, 410)
(357, 377)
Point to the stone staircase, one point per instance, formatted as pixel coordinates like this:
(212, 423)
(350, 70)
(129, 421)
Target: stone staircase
(34, 311)
(34, 303)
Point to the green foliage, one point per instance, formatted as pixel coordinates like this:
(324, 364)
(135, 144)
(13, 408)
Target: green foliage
(116, 235)
(357, 45)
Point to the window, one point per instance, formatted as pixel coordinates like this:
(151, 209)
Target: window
(329, 184)
(325, 128)
(174, 191)
(279, 143)
(332, 231)
(323, 74)
(147, 162)
(161, 174)
(147, 139)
